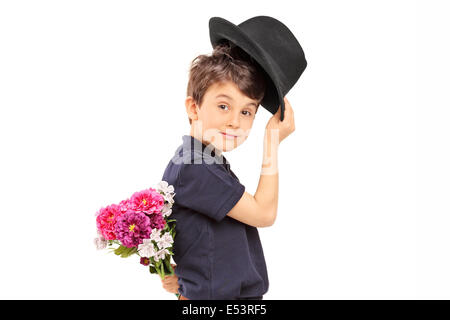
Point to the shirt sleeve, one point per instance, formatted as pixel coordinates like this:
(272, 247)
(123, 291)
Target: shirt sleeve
(209, 189)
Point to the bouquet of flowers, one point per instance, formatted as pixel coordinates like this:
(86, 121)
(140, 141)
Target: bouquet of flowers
(140, 225)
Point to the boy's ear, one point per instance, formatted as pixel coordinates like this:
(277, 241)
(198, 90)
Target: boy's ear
(191, 108)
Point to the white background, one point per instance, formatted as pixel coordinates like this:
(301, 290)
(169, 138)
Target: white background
(92, 109)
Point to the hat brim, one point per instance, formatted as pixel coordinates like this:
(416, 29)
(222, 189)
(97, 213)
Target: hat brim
(221, 29)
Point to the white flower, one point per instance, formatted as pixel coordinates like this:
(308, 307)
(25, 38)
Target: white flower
(169, 198)
(100, 242)
(164, 187)
(167, 191)
(155, 235)
(161, 254)
(165, 241)
(166, 211)
(146, 249)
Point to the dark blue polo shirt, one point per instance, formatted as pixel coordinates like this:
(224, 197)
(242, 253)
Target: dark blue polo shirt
(217, 257)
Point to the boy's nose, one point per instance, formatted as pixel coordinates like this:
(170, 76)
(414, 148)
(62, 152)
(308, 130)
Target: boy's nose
(233, 121)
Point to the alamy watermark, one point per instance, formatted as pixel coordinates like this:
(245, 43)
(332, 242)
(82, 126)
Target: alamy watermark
(210, 153)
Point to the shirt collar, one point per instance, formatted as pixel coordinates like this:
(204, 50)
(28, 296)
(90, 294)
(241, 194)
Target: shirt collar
(207, 151)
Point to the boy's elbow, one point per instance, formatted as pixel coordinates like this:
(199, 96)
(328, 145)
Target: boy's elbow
(270, 219)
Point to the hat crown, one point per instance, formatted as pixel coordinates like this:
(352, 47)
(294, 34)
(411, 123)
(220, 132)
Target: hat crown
(281, 45)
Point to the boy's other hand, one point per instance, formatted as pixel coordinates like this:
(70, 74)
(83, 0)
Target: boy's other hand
(170, 283)
(285, 127)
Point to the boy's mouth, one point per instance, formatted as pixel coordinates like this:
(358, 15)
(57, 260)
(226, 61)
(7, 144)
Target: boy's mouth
(229, 136)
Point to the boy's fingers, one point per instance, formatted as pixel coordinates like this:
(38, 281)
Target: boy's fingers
(278, 113)
(288, 112)
(288, 107)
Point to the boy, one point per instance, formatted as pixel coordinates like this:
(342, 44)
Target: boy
(217, 250)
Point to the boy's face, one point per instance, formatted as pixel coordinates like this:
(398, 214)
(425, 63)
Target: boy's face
(225, 117)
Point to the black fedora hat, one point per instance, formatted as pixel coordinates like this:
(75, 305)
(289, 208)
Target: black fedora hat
(272, 45)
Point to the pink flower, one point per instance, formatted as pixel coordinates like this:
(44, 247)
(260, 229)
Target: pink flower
(145, 261)
(132, 228)
(124, 205)
(157, 221)
(149, 201)
(106, 220)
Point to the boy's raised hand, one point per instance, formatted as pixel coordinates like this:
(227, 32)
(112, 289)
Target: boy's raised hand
(285, 127)
(170, 283)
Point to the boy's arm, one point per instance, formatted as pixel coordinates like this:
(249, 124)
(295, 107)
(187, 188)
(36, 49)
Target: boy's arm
(260, 210)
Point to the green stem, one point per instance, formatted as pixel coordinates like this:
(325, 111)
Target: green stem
(162, 270)
(158, 269)
(168, 266)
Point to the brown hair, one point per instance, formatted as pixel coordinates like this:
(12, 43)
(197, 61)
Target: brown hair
(227, 62)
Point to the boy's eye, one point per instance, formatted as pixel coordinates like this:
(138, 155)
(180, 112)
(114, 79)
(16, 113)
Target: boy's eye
(224, 105)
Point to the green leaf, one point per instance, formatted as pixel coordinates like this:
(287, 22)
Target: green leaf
(128, 252)
(119, 250)
(124, 252)
(152, 269)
